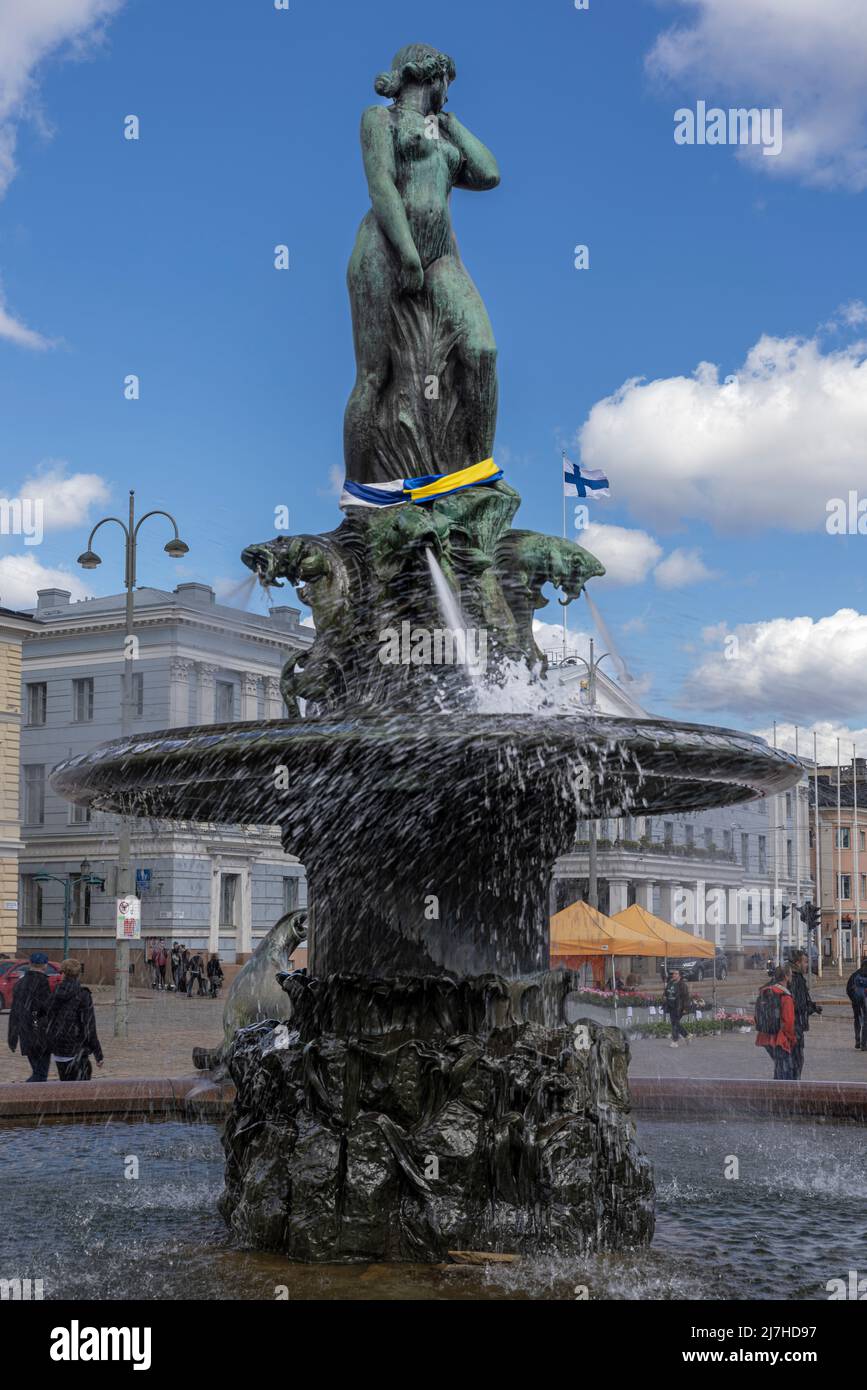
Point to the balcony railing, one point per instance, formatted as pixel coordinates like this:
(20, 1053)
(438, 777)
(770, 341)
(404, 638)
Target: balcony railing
(664, 848)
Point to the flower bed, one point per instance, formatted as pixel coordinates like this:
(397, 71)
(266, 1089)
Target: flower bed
(719, 1021)
(626, 998)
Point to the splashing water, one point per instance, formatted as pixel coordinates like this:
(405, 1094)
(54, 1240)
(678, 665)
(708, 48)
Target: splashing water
(240, 594)
(466, 642)
(604, 633)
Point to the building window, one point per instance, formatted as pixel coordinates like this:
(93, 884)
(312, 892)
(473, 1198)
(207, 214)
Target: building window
(842, 838)
(727, 841)
(137, 695)
(860, 839)
(745, 850)
(790, 868)
(37, 702)
(668, 832)
(31, 907)
(82, 700)
(844, 887)
(689, 831)
(290, 893)
(225, 702)
(79, 815)
(763, 854)
(788, 805)
(81, 908)
(34, 794)
(708, 839)
(229, 900)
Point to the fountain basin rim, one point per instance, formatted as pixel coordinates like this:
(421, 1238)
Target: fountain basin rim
(225, 773)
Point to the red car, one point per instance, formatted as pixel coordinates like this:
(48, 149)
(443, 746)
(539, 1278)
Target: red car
(11, 971)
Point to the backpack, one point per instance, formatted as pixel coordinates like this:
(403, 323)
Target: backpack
(769, 1011)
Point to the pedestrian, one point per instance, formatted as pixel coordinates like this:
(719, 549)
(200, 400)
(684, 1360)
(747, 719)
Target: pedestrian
(775, 1022)
(804, 1008)
(175, 964)
(856, 988)
(677, 1003)
(183, 969)
(70, 1026)
(215, 975)
(196, 975)
(160, 959)
(30, 1000)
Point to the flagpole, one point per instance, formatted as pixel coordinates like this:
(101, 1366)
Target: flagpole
(839, 874)
(856, 862)
(817, 828)
(565, 605)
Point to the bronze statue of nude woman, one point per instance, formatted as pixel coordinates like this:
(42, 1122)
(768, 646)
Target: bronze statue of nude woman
(425, 395)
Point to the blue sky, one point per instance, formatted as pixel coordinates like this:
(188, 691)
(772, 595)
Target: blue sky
(156, 257)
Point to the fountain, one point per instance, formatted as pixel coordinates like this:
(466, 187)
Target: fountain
(424, 1093)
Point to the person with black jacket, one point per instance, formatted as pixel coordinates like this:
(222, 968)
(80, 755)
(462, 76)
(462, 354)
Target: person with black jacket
(196, 973)
(30, 1000)
(804, 1008)
(677, 1003)
(215, 975)
(856, 988)
(70, 1026)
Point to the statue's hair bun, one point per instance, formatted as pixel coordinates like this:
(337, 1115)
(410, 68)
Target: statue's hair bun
(388, 84)
(417, 61)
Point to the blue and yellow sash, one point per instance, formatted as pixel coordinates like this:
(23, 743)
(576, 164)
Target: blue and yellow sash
(418, 489)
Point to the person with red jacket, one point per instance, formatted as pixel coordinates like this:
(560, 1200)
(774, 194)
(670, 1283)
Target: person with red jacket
(775, 1022)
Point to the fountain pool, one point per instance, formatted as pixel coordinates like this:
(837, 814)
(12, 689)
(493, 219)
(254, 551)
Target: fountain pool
(72, 1219)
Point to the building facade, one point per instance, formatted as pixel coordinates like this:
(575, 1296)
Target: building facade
(730, 875)
(196, 662)
(840, 864)
(13, 629)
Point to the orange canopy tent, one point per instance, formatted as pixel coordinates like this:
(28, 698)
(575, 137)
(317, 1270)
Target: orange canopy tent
(580, 933)
(668, 940)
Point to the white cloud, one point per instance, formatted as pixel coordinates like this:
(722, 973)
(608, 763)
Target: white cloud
(827, 733)
(798, 669)
(682, 567)
(34, 30)
(549, 637)
(628, 555)
(12, 330)
(808, 58)
(66, 498)
(22, 575)
(768, 447)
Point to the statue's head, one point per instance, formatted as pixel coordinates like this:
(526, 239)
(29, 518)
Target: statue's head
(420, 64)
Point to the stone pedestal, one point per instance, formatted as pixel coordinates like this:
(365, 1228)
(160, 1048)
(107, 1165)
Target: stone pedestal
(398, 1119)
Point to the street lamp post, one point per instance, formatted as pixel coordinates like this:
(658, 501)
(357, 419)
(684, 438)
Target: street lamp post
(83, 876)
(89, 560)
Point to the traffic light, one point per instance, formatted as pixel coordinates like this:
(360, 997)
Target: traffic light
(813, 916)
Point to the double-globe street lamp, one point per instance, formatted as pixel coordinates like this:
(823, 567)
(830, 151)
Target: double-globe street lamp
(84, 876)
(89, 560)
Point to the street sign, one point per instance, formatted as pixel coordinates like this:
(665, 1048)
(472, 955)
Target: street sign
(142, 881)
(128, 919)
(11, 905)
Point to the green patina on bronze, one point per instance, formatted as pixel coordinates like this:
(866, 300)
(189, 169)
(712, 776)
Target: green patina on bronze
(424, 401)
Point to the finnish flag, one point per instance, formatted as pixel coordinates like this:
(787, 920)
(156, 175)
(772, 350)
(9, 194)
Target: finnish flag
(583, 482)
